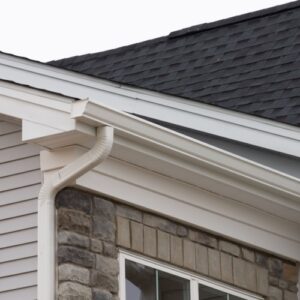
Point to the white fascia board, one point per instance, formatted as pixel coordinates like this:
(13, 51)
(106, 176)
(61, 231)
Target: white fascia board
(226, 165)
(206, 118)
(35, 106)
(42, 114)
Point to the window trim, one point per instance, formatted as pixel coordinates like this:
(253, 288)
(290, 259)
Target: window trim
(194, 279)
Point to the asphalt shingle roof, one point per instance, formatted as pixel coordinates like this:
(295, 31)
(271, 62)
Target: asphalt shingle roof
(248, 63)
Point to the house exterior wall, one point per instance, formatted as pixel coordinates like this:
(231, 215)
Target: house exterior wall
(19, 185)
(91, 230)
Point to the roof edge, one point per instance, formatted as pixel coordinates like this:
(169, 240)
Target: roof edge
(274, 135)
(235, 19)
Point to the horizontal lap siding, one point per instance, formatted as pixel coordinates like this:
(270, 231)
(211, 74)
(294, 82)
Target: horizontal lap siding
(18, 287)
(17, 282)
(20, 181)
(17, 252)
(23, 179)
(6, 128)
(15, 224)
(17, 238)
(20, 194)
(19, 166)
(17, 152)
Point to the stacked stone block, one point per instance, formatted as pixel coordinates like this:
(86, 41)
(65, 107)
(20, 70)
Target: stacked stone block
(206, 254)
(91, 229)
(86, 252)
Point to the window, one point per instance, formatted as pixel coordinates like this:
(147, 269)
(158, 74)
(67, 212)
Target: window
(145, 283)
(145, 279)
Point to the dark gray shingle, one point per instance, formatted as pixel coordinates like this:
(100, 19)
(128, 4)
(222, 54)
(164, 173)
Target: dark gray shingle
(248, 63)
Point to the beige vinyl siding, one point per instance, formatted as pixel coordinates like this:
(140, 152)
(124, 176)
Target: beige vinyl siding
(20, 181)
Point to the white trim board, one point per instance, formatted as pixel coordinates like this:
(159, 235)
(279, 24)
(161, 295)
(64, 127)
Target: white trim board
(206, 118)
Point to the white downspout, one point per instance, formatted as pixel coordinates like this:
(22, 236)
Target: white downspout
(46, 209)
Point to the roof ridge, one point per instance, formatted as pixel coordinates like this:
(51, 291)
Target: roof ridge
(235, 19)
(186, 31)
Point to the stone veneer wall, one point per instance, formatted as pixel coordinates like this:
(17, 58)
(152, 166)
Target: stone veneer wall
(91, 228)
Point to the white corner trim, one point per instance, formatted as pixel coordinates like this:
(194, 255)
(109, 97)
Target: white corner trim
(205, 118)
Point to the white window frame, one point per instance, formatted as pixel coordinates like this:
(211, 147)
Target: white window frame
(194, 279)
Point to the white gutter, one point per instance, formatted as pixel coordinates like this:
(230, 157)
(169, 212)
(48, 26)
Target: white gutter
(92, 113)
(46, 209)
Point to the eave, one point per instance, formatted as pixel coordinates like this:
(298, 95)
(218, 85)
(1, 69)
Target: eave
(212, 188)
(221, 166)
(220, 122)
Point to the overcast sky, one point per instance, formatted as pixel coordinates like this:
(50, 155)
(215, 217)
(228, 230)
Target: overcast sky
(52, 29)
